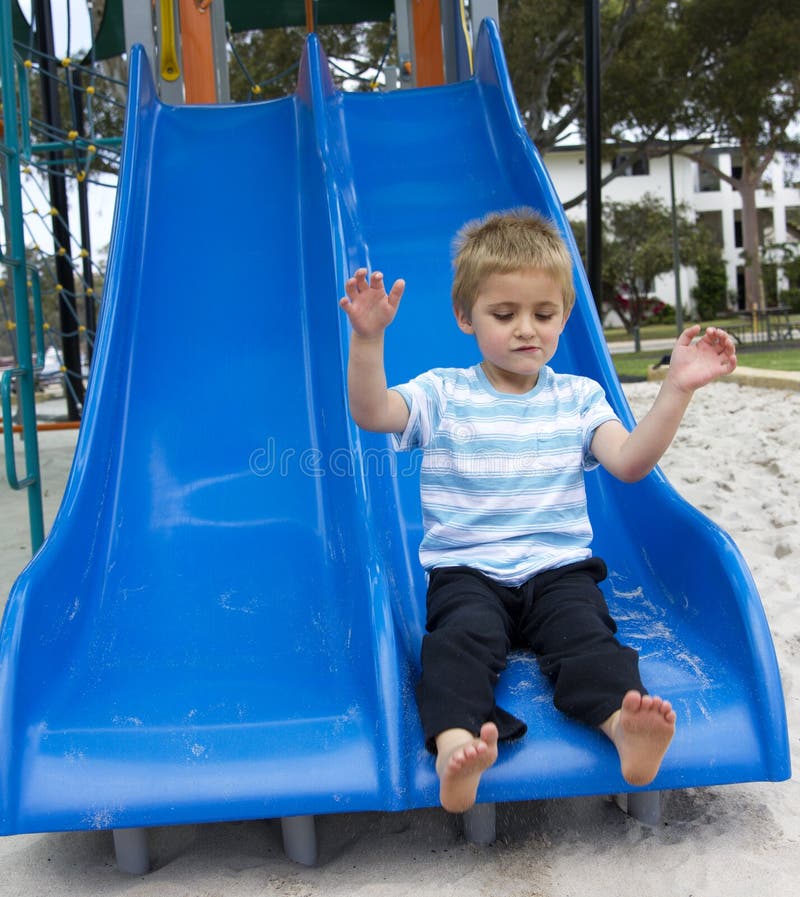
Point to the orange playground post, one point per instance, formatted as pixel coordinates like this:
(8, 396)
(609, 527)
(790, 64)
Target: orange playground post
(428, 53)
(198, 52)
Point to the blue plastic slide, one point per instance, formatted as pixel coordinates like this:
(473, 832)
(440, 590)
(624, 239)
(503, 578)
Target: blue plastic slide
(224, 622)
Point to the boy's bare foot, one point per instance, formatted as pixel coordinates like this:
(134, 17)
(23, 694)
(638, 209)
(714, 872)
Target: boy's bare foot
(460, 764)
(641, 731)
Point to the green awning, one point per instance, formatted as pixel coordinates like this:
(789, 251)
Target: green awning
(248, 15)
(243, 15)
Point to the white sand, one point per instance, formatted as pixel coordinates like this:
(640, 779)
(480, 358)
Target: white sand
(737, 459)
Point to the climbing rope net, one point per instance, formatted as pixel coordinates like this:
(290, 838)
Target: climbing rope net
(64, 276)
(362, 75)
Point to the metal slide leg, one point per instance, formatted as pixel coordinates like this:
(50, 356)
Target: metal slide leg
(300, 839)
(130, 848)
(480, 824)
(644, 806)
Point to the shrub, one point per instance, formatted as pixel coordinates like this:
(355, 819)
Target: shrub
(710, 292)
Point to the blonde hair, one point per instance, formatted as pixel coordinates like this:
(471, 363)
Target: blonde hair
(505, 242)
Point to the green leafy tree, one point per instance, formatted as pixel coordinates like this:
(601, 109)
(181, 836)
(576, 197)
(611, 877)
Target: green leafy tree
(712, 72)
(638, 247)
(702, 72)
(543, 42)
(744, 88)
(710, 293)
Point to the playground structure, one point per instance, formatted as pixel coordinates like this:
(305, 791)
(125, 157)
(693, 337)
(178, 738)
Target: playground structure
(189, 43)
(218, 610)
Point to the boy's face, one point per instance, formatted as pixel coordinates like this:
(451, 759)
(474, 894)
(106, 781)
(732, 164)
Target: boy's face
(517, 319)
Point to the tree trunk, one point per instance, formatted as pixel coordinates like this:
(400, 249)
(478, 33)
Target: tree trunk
(747, 185)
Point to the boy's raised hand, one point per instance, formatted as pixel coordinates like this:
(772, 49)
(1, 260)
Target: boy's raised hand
(694, 364)
(367, 304)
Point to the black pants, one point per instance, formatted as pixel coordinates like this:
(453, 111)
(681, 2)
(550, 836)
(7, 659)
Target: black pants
(561, 615)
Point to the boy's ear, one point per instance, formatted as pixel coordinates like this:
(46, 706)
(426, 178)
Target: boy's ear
(464, 322)
(566, 318)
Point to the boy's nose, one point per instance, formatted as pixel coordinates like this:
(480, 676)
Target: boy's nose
(524, 329)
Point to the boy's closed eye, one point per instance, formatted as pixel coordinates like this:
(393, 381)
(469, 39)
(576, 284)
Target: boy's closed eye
(507, 316)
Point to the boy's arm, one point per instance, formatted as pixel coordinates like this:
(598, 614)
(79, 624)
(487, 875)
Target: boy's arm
(631, 456)
(370, 310)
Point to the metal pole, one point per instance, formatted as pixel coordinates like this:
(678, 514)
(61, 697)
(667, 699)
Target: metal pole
(70, 342)
(219, 39)
(594, 261)
(676, 253)
(450, 33)
(405, 42)
(15, 259)
(90, 317)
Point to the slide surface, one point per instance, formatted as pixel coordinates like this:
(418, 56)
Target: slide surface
(224, 622)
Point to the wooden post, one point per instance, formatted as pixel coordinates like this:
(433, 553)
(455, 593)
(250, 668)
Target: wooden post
(197, 49)
(428, 53)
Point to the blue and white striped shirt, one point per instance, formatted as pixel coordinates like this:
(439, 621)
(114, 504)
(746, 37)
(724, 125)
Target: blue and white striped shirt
(501, 484)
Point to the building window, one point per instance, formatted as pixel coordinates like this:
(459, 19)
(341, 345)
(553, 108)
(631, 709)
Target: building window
(707, 181)
(740, 295)
(793, 223)
(638, 168)
(712, 221)
(766, 226)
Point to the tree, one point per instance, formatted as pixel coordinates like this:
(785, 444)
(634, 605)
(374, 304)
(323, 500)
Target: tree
(783, 258)
(710, 293)
(702, 72)
(543, 42)
(637, 247)
(713, 72)
(744, 87)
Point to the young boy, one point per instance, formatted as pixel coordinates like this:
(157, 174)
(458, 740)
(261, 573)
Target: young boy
(506, 531)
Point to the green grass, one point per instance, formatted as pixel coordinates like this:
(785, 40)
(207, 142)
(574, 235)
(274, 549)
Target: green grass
(666, 331)
(635, 364)
(775, 360)
(651, 331)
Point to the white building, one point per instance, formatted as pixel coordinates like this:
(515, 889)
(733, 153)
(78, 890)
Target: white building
(713, 200)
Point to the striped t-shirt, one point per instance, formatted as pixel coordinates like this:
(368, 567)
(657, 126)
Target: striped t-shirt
(501, 483)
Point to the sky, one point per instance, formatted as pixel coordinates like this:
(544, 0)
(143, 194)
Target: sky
(71, 28)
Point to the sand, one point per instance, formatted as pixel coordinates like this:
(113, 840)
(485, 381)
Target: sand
(736, 458)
